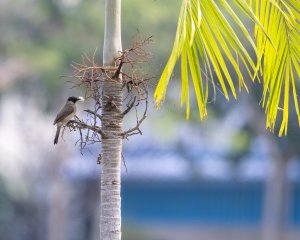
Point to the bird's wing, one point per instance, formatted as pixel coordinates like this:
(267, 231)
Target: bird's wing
(64, 112)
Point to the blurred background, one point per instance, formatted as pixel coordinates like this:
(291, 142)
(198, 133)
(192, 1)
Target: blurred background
(225, 178)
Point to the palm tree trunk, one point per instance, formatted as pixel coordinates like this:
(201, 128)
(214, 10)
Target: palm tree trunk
(277, 192)
(276, 200)
(111, 101)
(110, 218)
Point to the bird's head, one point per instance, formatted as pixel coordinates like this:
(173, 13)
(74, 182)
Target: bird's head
(75, 99)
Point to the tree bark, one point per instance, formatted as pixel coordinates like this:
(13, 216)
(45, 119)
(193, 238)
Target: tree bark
(112, 120)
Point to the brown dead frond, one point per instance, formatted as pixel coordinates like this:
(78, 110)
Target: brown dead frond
(89, 74)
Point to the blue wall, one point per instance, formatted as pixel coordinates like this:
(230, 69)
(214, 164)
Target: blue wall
(208, 203)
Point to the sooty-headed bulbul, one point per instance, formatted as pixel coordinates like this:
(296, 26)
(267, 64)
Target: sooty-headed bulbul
(66, 114)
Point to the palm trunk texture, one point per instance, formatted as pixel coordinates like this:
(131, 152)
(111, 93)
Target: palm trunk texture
(110, 218)
(112, 119)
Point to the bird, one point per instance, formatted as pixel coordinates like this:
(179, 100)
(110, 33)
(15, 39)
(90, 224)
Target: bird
(66, 114)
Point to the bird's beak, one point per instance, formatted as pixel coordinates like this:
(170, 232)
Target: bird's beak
(81, 99)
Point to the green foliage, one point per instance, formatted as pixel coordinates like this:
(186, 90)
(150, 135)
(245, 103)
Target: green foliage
(49, 35)
(280, 60)
(209, 44)
(205, 40)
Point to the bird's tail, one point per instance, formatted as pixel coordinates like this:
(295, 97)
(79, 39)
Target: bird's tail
(56, 135)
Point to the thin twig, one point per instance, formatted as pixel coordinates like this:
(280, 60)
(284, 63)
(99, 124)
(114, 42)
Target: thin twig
(136, 129)
(93, 113)
(129, 107)
(124, 162)
(82, 125)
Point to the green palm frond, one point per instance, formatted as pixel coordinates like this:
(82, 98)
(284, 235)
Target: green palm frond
(206, 42)
(280, 61)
